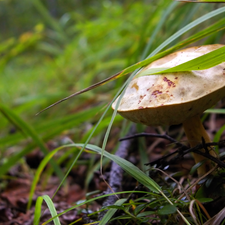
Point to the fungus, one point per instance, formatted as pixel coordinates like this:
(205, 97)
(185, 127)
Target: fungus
(175, 98)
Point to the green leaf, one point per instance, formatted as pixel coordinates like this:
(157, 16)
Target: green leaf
(146, 213)
(200, 63)
(111, 212)
(204, 200)
(196, 166)
(167, 209)
(218, 136)
(217, 111)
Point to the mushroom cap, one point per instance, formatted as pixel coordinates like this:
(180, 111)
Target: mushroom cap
(172, 98)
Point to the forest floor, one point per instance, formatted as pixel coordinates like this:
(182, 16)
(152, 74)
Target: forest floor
(17, 184)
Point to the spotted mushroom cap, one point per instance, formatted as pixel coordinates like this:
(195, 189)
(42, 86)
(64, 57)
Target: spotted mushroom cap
(172, 98)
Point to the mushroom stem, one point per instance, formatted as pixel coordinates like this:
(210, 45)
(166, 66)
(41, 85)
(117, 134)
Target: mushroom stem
(195, 131)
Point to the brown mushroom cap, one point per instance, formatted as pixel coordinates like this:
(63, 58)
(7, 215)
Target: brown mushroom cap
(171, 98)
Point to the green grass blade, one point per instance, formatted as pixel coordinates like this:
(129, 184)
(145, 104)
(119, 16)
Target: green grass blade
(37, 176)
(53, 127)
(51, 208)
(165, 14)
(218, 136)
(217, 111)
(188, 27)
(28, 131)
(111, 212)
(93, 199)
(126, 166)
(37, 212)
(200, 63)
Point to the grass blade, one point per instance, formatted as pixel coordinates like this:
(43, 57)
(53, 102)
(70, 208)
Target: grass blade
(27, 130)
(200, 63)
(111, 212)
(37, 212)
(51, 208)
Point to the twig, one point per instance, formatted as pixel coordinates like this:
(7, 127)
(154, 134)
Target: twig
(164, 136)
(183, 149)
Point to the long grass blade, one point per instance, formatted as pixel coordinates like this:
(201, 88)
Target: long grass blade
(92, 200)
(37, 212)
(111, 212)
(200, 63)
(27, 130)
(51, 208)
(38, 174)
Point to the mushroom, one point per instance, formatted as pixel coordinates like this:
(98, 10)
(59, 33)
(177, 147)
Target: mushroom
(175, 98)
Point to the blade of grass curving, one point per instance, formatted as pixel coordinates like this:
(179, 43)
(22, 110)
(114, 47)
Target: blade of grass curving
(190, 12)
(200, 63)
(30, 132)
(53, 127)
(214, 28)
(91, 200)
(37, 212)
(51, 208)
(218, 136)
(217, 111)
(163, 17)
(152, 57)
(132, 170)
(37, 176)
(114, 114)
(188, 27)
(111, 212)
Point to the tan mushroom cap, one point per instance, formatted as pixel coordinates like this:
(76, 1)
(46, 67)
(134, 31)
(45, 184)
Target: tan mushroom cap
(171, 98)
